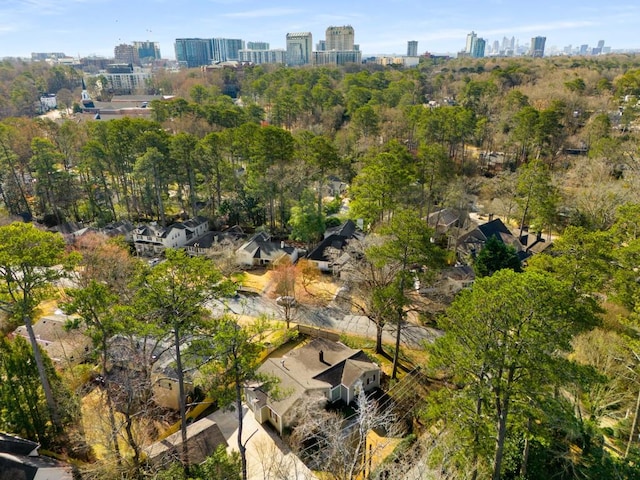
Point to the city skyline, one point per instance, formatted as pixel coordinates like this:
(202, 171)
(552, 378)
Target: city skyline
(95, 27)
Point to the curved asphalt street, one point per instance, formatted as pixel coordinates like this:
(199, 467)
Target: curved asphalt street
(329, 318)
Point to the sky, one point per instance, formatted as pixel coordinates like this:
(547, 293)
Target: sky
(94, 27)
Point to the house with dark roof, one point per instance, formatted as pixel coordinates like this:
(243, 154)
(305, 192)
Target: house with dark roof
(20, 460)
(153, 239)
(335, 239)
(321, 368)
(213, 242)
(470, 244)
(261, 250)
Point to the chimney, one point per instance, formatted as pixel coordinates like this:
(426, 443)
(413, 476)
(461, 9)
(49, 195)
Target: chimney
(321, 355)
(282, 244)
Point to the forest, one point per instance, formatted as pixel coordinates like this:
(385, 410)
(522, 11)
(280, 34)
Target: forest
(536, 374)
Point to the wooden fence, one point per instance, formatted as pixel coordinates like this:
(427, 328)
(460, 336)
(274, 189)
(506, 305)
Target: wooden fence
(318, 332)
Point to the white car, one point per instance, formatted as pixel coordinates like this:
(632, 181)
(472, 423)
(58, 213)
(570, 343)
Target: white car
(286, 301)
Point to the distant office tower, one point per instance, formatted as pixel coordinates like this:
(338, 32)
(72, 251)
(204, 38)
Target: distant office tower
(299, 46)
(257, 45)
(224, 49)
(537, 46)
(412, 48)
(321, 46)
(148, 51)
(193, 52)
(125, 53)
(496, 47)
(471, 38)
(505, 44)
(263, 56)
(478, 47)
(337, 57)
(36, 56)
(339, 38)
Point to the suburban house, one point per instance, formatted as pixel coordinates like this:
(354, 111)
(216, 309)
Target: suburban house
(203, 437)
(164, 375)
(320, 368)
(534, 243)
(448, 223)
(213, 243)
(470, 244)
(20, 460)
(122, 228)
(335, 186)
(443, 220)
(335, 239)
(153, 240)
(450, 281)
(260, 250)
(63, 346)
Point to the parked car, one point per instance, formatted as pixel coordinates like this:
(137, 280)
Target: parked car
(286, 301)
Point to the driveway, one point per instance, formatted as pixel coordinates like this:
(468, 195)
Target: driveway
(267, 456)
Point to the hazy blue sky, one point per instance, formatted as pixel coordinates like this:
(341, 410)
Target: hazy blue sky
(83, 27)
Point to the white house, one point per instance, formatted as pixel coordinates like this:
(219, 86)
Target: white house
(153, 239)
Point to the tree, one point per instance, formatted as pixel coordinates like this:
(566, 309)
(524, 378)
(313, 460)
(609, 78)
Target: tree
(31, 260)
(95, 305)
(368, 280)
(183, 152)
(494, 256)
(381, 185)
(328, 442)
(320, 154)
(582, 259)
(307, 224)
(148, 168)
(215, 166)
(284, 276)
(235, 357)
(537, 195)
(174, 294)
(54, 185)
(435, 169)
(219, 465)
(24, 409)
(103, 281)
(503, 346)
(408, 249)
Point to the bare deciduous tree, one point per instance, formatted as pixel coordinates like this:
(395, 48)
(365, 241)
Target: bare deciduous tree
(342, 446)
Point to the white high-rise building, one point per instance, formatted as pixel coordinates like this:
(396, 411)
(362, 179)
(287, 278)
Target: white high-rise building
(471, 39)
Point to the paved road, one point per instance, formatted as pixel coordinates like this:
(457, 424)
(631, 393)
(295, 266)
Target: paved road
(331, 318)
